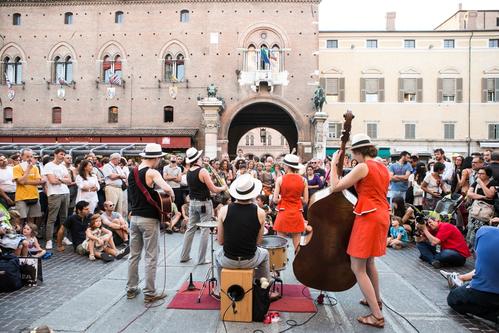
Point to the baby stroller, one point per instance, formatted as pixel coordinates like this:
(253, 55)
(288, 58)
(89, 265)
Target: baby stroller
(446, 210)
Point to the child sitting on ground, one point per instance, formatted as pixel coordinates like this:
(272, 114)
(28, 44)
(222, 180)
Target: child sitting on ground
(10, 240)
(30, 231)
(99, 242)
(398, 235)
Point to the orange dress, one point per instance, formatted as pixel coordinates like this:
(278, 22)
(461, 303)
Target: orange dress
(290, 209)
(368, 238)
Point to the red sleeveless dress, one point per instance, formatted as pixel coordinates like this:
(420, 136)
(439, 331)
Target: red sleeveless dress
(368, 238)
(290, 209)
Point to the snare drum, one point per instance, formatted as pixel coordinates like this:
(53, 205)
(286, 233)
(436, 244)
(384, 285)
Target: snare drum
(278, 255)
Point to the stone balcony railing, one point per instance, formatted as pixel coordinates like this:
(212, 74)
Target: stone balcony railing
(254, 78)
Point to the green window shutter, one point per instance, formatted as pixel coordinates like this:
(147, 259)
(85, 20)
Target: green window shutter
(401, 90)
(440, 92)
(484, 90)
(362, 90)
(419, 94)
(381, 90)
(459, 90)
(341, 92)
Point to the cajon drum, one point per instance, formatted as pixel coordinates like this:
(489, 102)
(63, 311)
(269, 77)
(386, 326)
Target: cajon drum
(243, 311)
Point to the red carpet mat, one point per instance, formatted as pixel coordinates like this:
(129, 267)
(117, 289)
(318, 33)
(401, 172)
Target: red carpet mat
(296, 298)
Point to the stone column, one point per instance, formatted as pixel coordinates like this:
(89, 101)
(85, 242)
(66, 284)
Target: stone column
(211, 107)
(319, 145)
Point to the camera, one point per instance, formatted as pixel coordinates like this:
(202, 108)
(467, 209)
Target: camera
(421, 219)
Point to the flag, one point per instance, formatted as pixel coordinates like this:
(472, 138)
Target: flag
(7, 81)
(115, 79)
(62, 82)
(11, 94)
(264, 54)
(272, 55)
(111, 92)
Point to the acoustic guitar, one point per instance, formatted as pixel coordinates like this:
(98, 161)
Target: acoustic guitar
(164, 207)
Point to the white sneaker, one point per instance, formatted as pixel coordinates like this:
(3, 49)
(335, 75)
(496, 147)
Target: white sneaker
(48, 246)
(454, 281)
(445, 274)
(66, 241)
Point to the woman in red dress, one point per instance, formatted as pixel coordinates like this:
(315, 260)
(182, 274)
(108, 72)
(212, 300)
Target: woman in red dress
(368, 237)
(290, 194)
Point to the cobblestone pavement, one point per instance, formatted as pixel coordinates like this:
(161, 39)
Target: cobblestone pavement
(67, 275)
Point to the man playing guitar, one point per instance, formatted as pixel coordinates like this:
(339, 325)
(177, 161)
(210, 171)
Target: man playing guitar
(144, 226)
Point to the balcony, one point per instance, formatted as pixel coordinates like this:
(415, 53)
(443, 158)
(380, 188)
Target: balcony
(254, 78)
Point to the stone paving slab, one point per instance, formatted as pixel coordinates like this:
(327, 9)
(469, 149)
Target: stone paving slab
(93, 300)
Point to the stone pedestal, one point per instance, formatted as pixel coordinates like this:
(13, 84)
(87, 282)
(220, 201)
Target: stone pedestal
(319, 145)
(211, 107)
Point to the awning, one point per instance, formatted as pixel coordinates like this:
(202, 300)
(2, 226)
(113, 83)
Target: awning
(382, 152)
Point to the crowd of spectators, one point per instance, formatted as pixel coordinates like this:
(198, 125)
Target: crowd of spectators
(84, 202)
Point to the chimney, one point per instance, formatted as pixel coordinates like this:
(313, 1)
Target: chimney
(390, 21)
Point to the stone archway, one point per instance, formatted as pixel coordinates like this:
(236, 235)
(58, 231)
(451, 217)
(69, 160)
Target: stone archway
(262, 114)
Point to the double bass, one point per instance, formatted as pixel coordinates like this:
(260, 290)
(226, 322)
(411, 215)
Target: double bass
(323, 263)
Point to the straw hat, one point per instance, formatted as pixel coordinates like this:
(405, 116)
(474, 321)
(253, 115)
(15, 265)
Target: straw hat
(245, 187)
(292, 161)
(192, 154)
(152, 150)
(361, 140)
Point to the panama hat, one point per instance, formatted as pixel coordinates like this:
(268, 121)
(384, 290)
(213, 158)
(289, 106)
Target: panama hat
(245, 187)
(292, 161)
(152, 150)
(192, 154)
(361, 140)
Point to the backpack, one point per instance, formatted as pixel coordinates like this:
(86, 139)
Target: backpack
(10, 273)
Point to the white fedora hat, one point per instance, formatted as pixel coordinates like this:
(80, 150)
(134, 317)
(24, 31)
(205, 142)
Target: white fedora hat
(152, 150)
(245, 187)
(361, 140)
(292, 161)
(192, 154)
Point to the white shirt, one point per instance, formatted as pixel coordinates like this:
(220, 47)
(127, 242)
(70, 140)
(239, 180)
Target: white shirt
(110, 168)
(89, 196)
(59, 171)
(175, 171)
(6, 182)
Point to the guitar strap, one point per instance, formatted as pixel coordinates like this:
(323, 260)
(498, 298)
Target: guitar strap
(146, 193)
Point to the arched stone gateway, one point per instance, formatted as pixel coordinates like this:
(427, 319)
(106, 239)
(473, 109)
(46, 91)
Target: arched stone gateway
(269, 112)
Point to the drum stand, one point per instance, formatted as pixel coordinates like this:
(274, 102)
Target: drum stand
(210, 279)
(277, 280)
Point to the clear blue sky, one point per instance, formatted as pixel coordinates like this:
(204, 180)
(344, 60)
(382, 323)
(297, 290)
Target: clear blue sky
(411, 14)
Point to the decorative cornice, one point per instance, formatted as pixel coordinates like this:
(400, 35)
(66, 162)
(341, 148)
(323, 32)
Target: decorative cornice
(71, 132)
(27, 3)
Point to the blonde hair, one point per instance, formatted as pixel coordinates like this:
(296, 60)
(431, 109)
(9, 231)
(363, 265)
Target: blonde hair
(93, 219)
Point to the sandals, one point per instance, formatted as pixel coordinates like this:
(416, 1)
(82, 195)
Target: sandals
(372, 320)
(364, 302)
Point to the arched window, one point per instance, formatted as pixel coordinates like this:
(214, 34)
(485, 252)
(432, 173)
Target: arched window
(68, 18)
(16, 19)
(13, 70)
(118, 17)
(168, 114)
(63, 70)
(247, 139)
(174, 68)
(56, 115)
(269, 140)
(180, 70)
(112, 66)
(184, 16)
(252, 58)
(282, 140)
(265, 57)
(7, 116)
(252, 140)
(275, 58)
(112, 114)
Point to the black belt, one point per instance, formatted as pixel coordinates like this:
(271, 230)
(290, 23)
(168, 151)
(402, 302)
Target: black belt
(238, 258)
